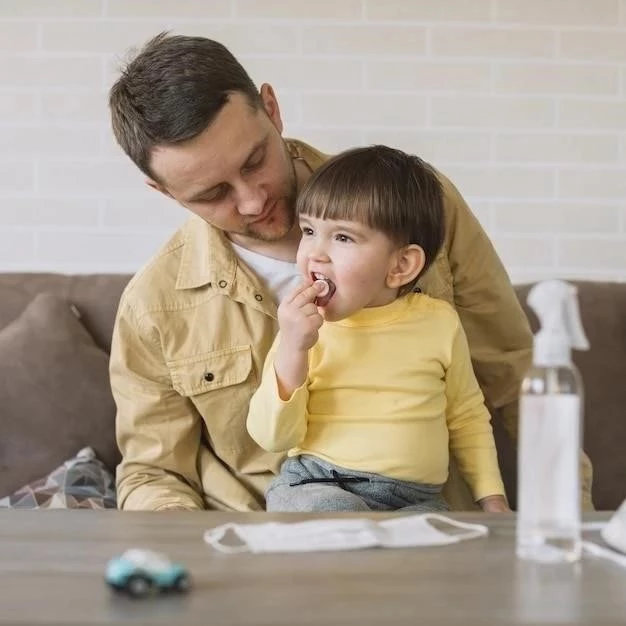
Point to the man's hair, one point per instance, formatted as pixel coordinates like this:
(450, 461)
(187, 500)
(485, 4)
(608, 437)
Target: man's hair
(171, 91)
(385, 189)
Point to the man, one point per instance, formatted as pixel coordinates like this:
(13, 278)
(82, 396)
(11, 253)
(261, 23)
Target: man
(194, 326)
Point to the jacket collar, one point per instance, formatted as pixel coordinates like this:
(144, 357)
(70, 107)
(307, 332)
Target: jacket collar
(207, 257)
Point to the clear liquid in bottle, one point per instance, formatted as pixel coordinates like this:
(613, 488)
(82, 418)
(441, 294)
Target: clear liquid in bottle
(549, 518)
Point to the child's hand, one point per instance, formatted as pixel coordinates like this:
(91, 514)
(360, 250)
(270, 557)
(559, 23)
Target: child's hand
(494, 504)
(300, 319)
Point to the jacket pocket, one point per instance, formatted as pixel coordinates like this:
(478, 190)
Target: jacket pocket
(211, 371)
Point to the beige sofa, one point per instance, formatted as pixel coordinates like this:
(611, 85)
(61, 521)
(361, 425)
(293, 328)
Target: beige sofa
(55, 397)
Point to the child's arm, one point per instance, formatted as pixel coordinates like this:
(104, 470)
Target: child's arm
(277, 425)
(471, 437)
(277, 412)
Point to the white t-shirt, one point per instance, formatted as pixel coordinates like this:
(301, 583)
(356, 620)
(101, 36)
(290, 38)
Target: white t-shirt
(280, 277)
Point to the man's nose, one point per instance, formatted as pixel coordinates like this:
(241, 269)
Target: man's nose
(251, 200)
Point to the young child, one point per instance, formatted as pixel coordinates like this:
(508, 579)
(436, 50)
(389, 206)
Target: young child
(369, 384)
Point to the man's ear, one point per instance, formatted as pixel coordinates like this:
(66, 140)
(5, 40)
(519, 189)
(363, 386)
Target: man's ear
(270, 104)
(406, 266)
(158, 187)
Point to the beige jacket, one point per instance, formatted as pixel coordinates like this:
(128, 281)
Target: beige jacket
(192, 332)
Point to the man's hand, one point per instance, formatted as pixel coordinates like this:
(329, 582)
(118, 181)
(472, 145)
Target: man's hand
(175, 507)
(494, 504)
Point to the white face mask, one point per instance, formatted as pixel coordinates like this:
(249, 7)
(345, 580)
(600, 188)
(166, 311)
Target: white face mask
(341, 534)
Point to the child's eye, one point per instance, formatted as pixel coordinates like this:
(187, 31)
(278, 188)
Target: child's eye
(306, 230)
(343, 238)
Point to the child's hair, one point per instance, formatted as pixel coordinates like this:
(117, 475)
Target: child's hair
(385, 189)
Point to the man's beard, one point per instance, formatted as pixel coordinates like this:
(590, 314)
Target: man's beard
(282, 222)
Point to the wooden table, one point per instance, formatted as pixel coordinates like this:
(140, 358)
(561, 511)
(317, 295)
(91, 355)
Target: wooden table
(52, 565)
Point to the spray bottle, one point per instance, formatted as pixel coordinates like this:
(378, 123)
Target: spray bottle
(550, 431)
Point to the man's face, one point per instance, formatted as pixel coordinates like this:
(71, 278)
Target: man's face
(237, 174)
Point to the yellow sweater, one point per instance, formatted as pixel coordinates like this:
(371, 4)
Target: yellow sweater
(389, 390)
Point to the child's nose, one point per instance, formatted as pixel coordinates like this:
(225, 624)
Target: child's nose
(318, 253)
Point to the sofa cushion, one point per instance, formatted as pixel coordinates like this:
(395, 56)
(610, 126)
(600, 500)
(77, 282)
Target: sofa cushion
(82, 482)
(96, 296)
(55, 396)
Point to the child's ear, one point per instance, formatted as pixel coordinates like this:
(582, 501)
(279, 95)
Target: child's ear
(407, 265)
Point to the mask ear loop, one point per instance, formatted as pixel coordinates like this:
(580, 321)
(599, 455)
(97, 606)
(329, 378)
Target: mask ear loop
(604, 553)
(474, 530)
(214, 536)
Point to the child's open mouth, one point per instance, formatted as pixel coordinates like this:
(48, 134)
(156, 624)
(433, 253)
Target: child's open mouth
(328, 292)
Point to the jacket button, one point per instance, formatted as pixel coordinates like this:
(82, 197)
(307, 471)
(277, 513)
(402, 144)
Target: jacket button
(222, 283)
(258, 297)
(209, 377)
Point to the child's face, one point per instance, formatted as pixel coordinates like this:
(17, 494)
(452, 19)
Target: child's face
(354, 257)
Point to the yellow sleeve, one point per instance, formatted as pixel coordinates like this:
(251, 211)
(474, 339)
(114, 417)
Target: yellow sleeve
(471, 437)
(157, 432)
(277, 425)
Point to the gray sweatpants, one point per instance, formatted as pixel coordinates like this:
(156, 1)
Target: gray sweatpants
(307, 484)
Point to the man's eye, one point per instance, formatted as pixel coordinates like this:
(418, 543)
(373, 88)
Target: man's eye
(255, 163)
(215, 195)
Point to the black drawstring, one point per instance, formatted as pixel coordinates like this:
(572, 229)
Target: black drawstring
(338, 478)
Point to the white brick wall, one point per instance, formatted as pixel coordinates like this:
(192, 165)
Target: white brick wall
(521, 102)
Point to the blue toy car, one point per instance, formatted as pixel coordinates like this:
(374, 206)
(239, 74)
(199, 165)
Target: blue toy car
(140, 572)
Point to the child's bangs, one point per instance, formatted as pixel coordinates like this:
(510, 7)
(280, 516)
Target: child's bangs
(342, 202)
